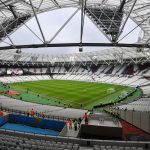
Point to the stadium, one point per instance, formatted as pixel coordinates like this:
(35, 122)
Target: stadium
(96, 98)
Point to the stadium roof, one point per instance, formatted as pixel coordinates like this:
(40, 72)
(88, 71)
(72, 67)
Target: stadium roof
(117, 55)
(109, 16)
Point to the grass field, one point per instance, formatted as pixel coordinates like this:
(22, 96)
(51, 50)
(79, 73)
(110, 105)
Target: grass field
(74, 93)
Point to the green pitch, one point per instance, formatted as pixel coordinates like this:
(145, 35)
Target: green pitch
(73, 93)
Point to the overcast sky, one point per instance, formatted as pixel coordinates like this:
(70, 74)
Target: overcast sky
(53, 20)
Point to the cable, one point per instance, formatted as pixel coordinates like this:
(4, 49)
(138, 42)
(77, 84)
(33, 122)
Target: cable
(133, 29)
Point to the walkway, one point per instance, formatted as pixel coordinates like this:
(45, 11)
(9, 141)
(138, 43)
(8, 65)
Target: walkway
(11, 103)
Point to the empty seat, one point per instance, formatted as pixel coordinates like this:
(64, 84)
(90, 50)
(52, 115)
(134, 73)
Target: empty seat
(127, 148)
(114, 147)
(69, 146)
(96, 146)
(140, 148)
(75, 147)
(102, 147)
(133, 148)
(108, 147)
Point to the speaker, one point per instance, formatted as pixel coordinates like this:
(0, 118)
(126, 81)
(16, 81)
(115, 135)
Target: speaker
(139, 49)
(18, 51)
(80, 49)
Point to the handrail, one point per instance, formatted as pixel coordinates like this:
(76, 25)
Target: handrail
(40, 115)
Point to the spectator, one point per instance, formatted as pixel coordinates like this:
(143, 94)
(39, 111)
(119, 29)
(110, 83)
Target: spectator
(85, 118)
(75, 124)
(43, 116)
(1, 113)
(79, 122)
(70, 123)
(28, 112)
(32, 112)
(37, 114)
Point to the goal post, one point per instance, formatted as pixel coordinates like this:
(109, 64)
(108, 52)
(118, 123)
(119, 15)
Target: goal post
(124, 93)
(111, 90)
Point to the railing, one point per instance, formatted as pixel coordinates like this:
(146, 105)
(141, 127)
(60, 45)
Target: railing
(25, 133)
(37, 114)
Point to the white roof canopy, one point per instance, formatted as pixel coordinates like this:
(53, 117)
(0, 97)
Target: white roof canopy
(137, 10)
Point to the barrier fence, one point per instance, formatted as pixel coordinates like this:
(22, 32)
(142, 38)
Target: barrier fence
(37, 114)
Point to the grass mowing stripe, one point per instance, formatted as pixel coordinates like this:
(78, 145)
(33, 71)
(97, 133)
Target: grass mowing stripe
(73, 92)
